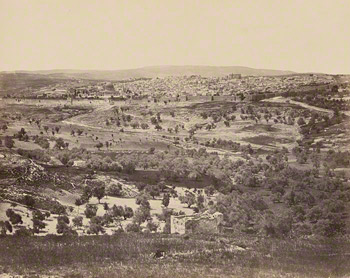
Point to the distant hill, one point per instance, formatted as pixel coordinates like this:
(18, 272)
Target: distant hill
(16, 81)
(157, 71)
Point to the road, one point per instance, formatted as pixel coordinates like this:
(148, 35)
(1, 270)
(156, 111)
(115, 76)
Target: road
(307, 106)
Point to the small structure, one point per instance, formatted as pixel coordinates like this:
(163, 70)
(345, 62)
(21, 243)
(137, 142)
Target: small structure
(198, 223)
(79, 163)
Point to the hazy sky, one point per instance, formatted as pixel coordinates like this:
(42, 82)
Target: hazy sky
(305, 35)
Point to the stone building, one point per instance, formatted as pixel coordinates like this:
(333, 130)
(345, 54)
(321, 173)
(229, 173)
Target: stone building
(198, 223)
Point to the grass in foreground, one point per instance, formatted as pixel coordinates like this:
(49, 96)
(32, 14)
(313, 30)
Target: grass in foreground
(132, 255)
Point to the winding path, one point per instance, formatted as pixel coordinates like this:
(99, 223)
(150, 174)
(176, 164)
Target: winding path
(304, 105)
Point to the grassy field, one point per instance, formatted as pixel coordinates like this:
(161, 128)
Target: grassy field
(132, 255)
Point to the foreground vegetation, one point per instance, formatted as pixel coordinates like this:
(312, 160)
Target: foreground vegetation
(135, 255)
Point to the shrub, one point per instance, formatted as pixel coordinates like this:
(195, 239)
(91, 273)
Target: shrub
(28, 201)
(114, 190)
(14, 218)
(23, 232)
(78, 221)
(38, 225)
(96, 226)
(90, 211)
(142, 214)
(63, 227)
(153, 227)
(8, 142)
(133, 227)
(4, 227)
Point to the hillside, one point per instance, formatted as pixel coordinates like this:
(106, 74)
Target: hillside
(15, 81)
(158, 71)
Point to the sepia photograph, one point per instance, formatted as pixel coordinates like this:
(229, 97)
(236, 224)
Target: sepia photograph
(175, 138)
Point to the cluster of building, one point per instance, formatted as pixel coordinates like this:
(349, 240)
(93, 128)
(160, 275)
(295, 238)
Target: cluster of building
(247, 87)
(240, 87)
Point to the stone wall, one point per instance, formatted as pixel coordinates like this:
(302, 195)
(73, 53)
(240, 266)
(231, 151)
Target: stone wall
(197, 223)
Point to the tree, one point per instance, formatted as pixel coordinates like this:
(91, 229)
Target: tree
(98, 191)
(14, 217)
(114, 190)
(46, 128)
(128, 212)
(99, 145)
(166, 200)
(301, 121)
(4, 227)
(189, 198)
(154, 120)
(106, 206)
(135, 125)
(90, 211)
(152, 190)
(8, 226)
(38, 225)
(80, 132)
(209, 190)
(4, 127)
(78, 221)
(118, 211)
(142, 200)
(63, 227)
(86, 195)
(37, 214)
(38, 217)
(96, 225)
(78, 202)
(133, 228)
(65, 158)
(60, 144)
(57, 129)
(153, 227)
(144, 126)
(28, 201)
(200, 201)
(8, 142)
(23, 232)
(142, 214)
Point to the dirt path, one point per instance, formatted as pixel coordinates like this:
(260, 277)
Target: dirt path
(307, 106)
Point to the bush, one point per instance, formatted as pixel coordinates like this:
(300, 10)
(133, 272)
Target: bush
(153, 227)
(8, 142)
(42, 142)
(96, 226)
(23, 232)
(63, 227)
(14, 218)
(114, 190)
(57, 208)
(90, 211)
(142, 214)
(133, 227)
(38, 225)
(28, 201)
(37, 154)
(78, 221)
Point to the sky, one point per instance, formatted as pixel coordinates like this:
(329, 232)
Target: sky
(297, 35)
